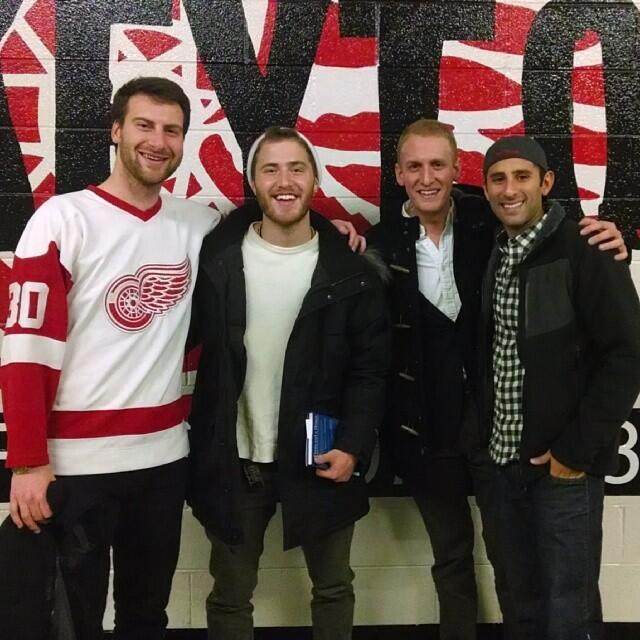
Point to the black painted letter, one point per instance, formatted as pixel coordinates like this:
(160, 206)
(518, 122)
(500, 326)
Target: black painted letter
(16, 201)
(83, 86)
(251, 101)
(411, 38)
(548, 104)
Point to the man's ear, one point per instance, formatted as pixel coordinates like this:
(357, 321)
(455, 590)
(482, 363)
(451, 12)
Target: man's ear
(115, 132)
(547, 182)
(252, 184)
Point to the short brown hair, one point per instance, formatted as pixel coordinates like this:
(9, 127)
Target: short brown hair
(159, 89)
(426, 128)
(278, 134)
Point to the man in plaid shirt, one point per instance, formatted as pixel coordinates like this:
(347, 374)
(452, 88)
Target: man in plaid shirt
(561, 344)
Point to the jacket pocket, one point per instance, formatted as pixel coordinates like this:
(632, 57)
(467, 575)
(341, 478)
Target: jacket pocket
(548, 300)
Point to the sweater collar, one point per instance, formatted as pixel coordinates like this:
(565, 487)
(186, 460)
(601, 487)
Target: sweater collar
(142, 214)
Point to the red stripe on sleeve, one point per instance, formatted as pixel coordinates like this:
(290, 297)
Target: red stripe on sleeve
(28, 391)
(38, 306)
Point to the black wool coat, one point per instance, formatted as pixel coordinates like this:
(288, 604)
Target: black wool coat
(409, 426)
(335, 363)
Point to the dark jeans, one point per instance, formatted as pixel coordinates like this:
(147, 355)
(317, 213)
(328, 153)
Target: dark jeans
(550, 541)
(137, 514)
(234, 569)
(441, 496)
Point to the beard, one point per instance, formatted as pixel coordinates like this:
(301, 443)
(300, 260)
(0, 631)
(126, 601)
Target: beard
(287, 218)
(141, 174)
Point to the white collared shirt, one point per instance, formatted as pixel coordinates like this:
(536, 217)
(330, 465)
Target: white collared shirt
(434, 263)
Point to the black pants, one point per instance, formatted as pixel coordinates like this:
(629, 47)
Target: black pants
(441, 496)
(137, 514)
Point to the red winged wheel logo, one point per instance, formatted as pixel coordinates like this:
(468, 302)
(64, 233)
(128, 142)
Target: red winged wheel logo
(133, 301)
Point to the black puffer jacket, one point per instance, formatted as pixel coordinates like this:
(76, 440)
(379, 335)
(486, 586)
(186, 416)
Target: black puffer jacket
(335, 363)
(441, 371)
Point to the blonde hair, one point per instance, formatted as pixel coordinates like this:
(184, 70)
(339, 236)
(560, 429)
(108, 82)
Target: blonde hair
(427, 128)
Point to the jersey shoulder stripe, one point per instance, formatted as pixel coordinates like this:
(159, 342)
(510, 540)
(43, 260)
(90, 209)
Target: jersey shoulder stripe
(34, 349)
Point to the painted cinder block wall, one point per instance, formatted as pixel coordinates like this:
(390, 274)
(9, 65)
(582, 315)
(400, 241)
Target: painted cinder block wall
(349, 74)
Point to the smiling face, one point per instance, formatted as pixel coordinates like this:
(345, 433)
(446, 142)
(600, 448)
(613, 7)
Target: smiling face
(150, 140)
(427, 167)
(284, 181)
(514, 188)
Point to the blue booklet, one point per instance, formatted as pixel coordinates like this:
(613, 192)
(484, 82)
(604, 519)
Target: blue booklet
(321, 435)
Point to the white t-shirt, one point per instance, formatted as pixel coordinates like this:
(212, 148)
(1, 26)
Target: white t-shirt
(276, 281)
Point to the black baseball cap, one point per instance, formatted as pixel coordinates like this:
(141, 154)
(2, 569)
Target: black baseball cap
(515, 147)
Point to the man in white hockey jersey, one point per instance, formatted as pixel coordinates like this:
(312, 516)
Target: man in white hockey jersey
(100, 301)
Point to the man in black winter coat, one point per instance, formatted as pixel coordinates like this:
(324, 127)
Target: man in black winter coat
(436, 245)
(561, 371)
(291, 323)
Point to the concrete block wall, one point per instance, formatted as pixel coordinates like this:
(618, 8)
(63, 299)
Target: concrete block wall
(391, 558)
(350, 74)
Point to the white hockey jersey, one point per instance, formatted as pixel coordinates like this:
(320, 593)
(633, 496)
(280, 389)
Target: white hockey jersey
(100, 301)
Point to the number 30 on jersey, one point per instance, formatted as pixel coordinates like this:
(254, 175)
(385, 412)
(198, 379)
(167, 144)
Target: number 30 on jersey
(27, 304)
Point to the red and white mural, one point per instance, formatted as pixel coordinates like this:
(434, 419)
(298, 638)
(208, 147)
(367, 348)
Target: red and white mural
(479, 93)
(349, 74)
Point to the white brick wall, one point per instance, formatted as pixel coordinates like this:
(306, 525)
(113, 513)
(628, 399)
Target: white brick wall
(391, 558)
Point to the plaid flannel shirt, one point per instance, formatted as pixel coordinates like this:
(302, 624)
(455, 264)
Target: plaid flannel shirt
(508, 372)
